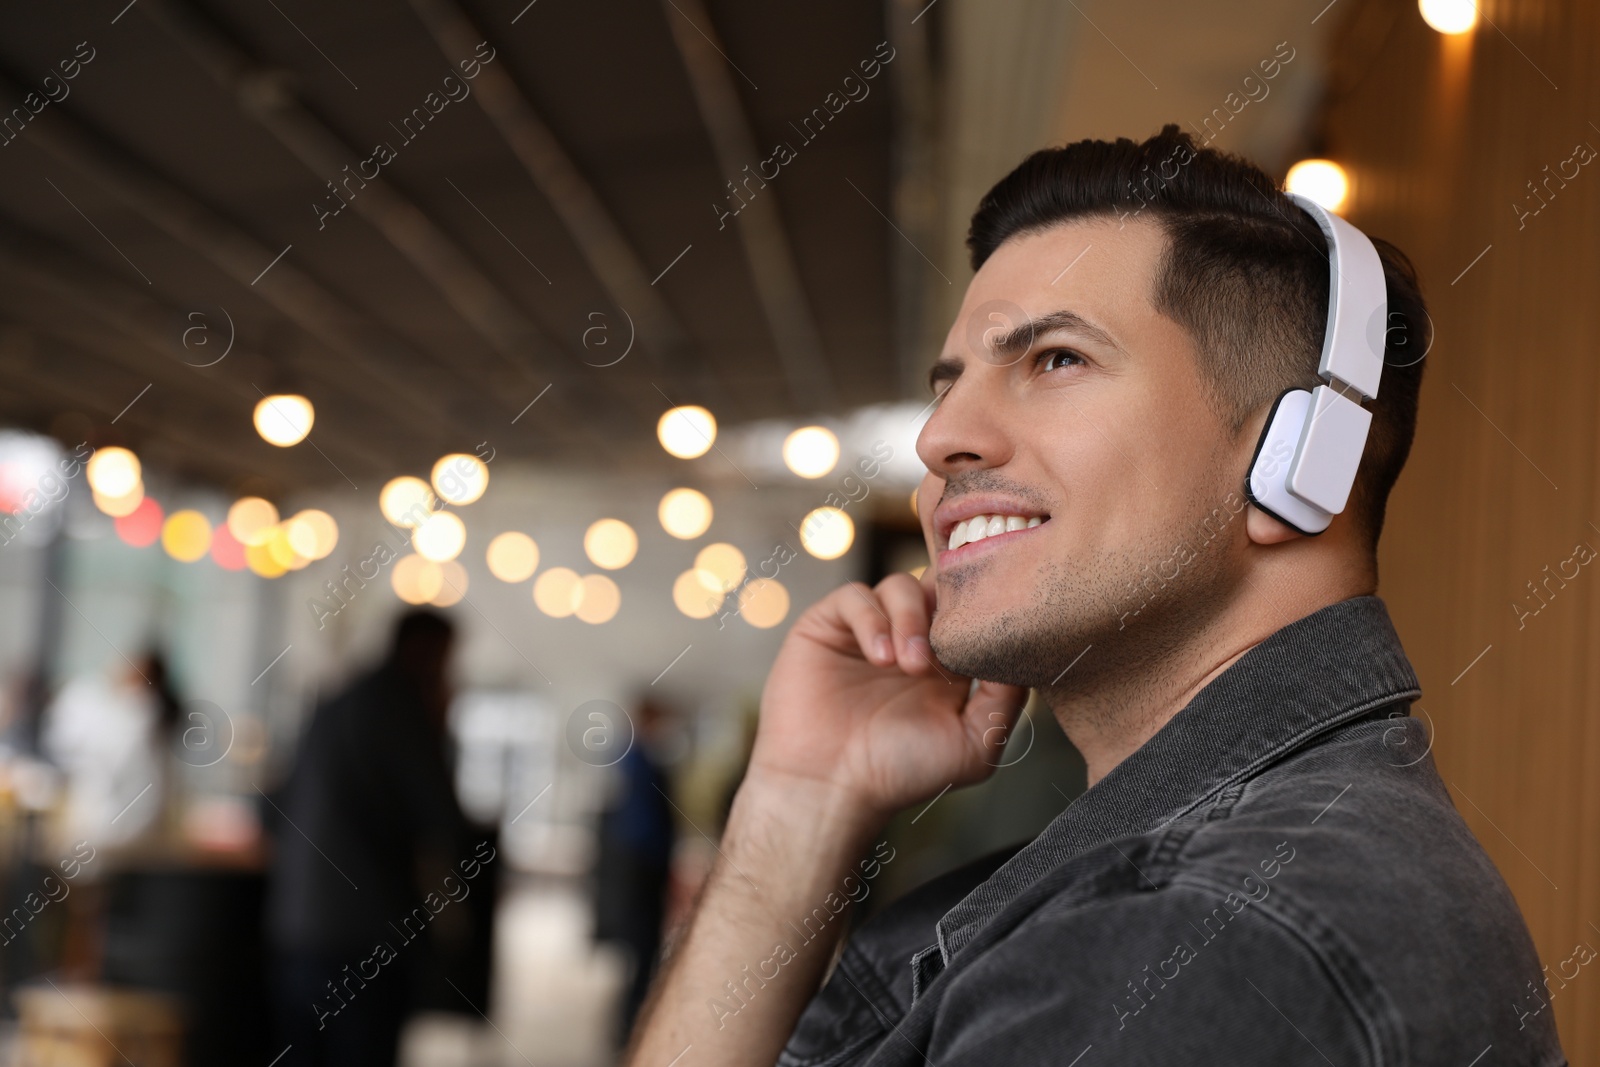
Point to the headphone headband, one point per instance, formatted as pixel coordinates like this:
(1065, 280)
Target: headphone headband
(1352, 345)
(1310, 449)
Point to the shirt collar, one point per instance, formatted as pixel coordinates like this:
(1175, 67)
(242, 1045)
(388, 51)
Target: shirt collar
(1336, 664)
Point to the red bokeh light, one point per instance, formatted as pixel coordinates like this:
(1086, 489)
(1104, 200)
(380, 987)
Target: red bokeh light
(226, 551)
(13, 487)
(142, 527)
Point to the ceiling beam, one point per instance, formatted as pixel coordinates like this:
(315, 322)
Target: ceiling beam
(265, 97)
(766, 243)
(919, 288)
(294, 293)
(579, 206)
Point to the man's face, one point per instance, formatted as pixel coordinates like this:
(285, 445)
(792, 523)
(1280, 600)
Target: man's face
(1096, 422)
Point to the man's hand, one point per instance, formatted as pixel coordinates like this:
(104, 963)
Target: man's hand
(857, 721)
(856, 700)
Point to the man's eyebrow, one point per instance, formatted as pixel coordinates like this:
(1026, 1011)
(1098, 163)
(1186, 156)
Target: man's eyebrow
(1020, 338)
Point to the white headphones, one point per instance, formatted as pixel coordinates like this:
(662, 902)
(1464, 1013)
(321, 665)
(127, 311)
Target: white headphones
(1306, 460)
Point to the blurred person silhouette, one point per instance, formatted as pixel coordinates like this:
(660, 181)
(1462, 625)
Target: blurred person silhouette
(367, 829)
(22, 709)
(110, 736)
(634, 866)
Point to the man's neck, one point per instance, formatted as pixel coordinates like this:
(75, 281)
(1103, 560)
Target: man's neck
(1113, 707)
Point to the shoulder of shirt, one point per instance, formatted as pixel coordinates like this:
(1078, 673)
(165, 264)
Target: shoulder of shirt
(1334, 876)
(1197, 962)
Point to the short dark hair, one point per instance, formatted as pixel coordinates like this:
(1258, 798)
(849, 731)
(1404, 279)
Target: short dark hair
(1245, 272)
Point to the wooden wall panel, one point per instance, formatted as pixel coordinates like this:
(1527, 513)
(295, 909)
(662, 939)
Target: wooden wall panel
(1442, 136)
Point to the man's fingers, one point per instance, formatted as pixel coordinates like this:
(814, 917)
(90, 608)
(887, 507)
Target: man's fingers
(889, 624)
(903, 600)
(990, 714)
(858, 607)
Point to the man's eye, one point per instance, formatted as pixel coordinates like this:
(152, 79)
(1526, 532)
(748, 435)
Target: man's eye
(1047, 360)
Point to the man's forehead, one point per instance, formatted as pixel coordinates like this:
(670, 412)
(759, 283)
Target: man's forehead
(1092, 254)
(1098, 268)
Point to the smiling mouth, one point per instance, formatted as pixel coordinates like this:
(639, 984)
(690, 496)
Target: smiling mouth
(983, 528)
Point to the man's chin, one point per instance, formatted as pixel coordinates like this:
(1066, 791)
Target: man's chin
(983, 649)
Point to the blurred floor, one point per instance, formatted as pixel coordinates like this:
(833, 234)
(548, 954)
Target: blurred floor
(553, 992)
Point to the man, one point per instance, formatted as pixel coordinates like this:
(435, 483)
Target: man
(370, 831)
(1266, 867)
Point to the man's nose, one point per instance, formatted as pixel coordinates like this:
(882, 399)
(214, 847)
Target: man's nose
(967, 429)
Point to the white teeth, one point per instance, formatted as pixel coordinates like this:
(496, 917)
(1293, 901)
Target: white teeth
(980, 526)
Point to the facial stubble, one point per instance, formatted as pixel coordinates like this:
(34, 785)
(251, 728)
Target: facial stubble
(1108, 604)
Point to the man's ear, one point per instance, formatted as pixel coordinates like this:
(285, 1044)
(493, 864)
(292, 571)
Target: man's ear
(1266, 530)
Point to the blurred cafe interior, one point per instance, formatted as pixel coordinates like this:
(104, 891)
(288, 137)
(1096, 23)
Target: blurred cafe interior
(490, 354)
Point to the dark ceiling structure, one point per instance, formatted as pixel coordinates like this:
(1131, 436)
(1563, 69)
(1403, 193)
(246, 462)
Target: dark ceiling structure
(427, 215)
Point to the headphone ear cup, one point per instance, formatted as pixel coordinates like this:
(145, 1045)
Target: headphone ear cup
(1267, 484)
(1329, 453)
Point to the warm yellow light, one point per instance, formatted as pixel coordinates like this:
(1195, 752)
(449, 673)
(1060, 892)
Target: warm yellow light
(685, 513)
(452, 584)
(186, 535)
(406, 501)
(1449, 16)
(312, 533)
(284, 419)
(827, 533)
(513, 557)
(441, 537)
(251, 519)
(1321, 180)
(460, 478)
(697, 593)
(301, 535)
(687, 431)
(915, 513)
(763, 603)
(118, 506)
(113, 472)
(282, 550)
(600, 599)
(558, 592)
(260, 560)
(610, 543)
(811, 451)
(416, 580)
(725, 562)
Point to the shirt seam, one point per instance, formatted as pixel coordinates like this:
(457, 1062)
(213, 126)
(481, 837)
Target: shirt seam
(852, 961)
(1267, 759)
(1361, 993)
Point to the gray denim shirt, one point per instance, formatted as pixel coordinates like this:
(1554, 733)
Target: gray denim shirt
(1278, 876)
